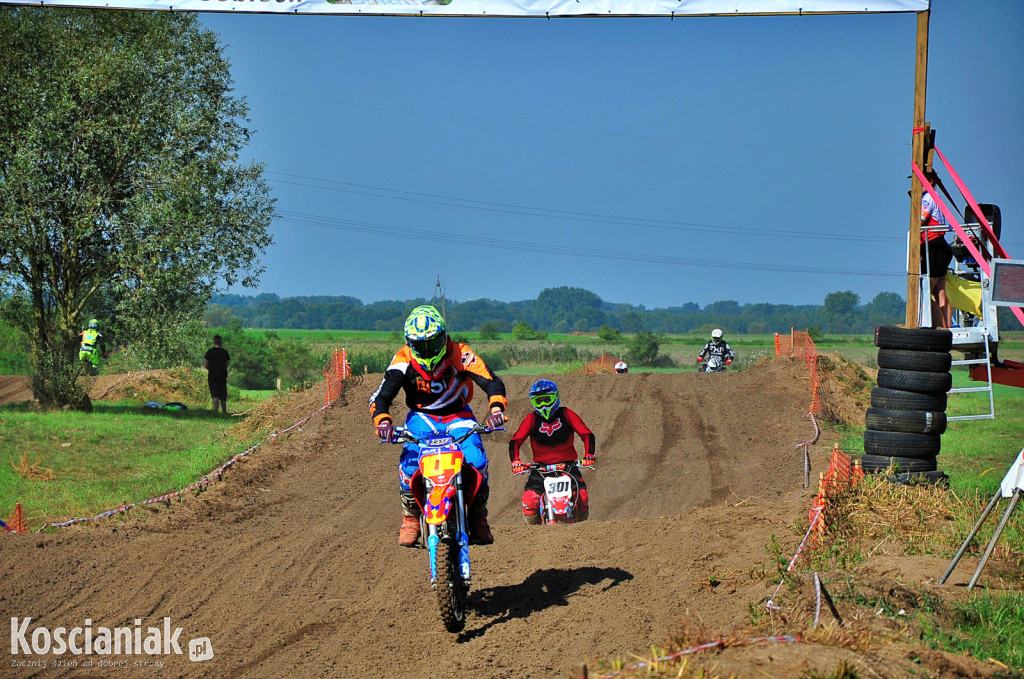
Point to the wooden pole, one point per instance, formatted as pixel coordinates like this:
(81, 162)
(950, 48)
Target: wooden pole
(919, 155)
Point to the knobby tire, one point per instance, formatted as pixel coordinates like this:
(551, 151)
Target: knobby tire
(451, 589)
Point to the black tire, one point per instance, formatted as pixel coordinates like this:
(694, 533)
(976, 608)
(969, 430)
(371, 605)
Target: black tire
(915, 339)
(880, 463)
(451, 588)
(923, 361)
(901, 444)
(913, 421)
(919, 478)
(912, 380)
(896, 399)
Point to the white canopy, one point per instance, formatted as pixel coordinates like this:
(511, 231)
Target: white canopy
(507, 8)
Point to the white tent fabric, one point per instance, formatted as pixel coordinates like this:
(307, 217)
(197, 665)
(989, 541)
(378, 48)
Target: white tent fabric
(507, 8)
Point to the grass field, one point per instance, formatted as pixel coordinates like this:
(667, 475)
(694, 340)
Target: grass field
(73, 464)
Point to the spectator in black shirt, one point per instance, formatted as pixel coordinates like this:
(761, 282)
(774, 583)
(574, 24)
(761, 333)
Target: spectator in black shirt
(216, 362)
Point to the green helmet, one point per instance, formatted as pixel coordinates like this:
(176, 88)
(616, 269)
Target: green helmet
(93, 324)
(426, 333)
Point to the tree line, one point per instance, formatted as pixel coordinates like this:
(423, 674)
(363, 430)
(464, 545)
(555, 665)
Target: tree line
(560, 310)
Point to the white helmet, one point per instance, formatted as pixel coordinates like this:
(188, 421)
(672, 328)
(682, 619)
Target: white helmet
(716, 333)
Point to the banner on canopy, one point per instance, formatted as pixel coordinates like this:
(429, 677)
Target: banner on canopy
(506, 8)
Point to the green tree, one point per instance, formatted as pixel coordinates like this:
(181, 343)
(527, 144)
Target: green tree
(295, 361)
(523, 331)
(489, 331)
(887, 308)
(840, 310)
(121, 191)
(643, 348)
(252, 361)
(608, 334)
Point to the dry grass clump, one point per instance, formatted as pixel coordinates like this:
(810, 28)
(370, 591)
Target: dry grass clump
(908, 518)
(879, 515)
(33, 471)
(280, 411)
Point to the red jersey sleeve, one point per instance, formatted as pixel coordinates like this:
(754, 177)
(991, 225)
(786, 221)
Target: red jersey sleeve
(516, 442)
(589, 441)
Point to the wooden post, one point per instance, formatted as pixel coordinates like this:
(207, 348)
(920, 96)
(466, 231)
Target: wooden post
(919, 156)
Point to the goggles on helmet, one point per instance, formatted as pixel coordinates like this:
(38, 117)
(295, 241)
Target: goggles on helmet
(430, 347)
(543, 400)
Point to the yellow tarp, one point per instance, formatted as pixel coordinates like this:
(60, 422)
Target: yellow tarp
(963, 294)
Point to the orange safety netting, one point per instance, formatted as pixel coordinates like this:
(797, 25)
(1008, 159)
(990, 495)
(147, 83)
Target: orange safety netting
(798, 344)
(336, 370)
(16, 524)
(603, 364)
(843, 471)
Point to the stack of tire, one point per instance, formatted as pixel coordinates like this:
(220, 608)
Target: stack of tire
(907, 416)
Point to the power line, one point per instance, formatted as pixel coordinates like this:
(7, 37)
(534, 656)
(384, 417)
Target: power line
(541, 248)
(568, 215)
(572, 215)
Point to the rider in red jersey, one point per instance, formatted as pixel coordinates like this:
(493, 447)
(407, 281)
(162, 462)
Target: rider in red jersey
(550, 428)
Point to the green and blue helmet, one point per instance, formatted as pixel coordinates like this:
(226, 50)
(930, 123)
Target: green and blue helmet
(93, 324)
(426, 333)
(544, 398)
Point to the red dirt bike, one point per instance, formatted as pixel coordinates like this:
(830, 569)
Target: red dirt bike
(561, 491)
(444, 488)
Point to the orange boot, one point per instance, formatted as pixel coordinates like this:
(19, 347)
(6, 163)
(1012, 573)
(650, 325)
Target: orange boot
(409, 533)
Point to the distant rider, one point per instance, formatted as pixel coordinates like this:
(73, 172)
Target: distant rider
(717, 347)
(550, 428)
(92, 346)
(437, 376)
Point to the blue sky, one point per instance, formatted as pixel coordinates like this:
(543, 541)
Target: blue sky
(654, 162)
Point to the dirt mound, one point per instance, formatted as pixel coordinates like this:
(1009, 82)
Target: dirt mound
(164, 386)
(845, 389)
(293, 563)
(15, 389)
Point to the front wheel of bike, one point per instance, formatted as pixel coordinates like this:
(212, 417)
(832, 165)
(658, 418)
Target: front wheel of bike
(452, 593)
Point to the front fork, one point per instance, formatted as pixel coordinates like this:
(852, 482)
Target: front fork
(461, 536)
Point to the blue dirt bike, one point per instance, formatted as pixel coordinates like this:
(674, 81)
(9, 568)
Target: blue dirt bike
(444, 487)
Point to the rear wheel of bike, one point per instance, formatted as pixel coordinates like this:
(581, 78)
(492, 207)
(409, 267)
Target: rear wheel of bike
(451, 589)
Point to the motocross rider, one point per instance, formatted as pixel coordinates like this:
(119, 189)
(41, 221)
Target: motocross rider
(92, 346)
(438, 376)
(717, 347)
(550, 428)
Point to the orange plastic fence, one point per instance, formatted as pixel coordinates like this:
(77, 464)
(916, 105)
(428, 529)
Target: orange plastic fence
(16, 524)
(336, 370)
(800, 344)
(603, 364)
(843, 471)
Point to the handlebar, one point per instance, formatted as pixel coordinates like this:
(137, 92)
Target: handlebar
(557, 467)
(402, 434)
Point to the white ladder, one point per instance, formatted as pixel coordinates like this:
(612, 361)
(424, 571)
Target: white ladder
(987, 360)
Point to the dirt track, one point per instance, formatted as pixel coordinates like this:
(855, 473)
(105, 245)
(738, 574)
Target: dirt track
(293, 564)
